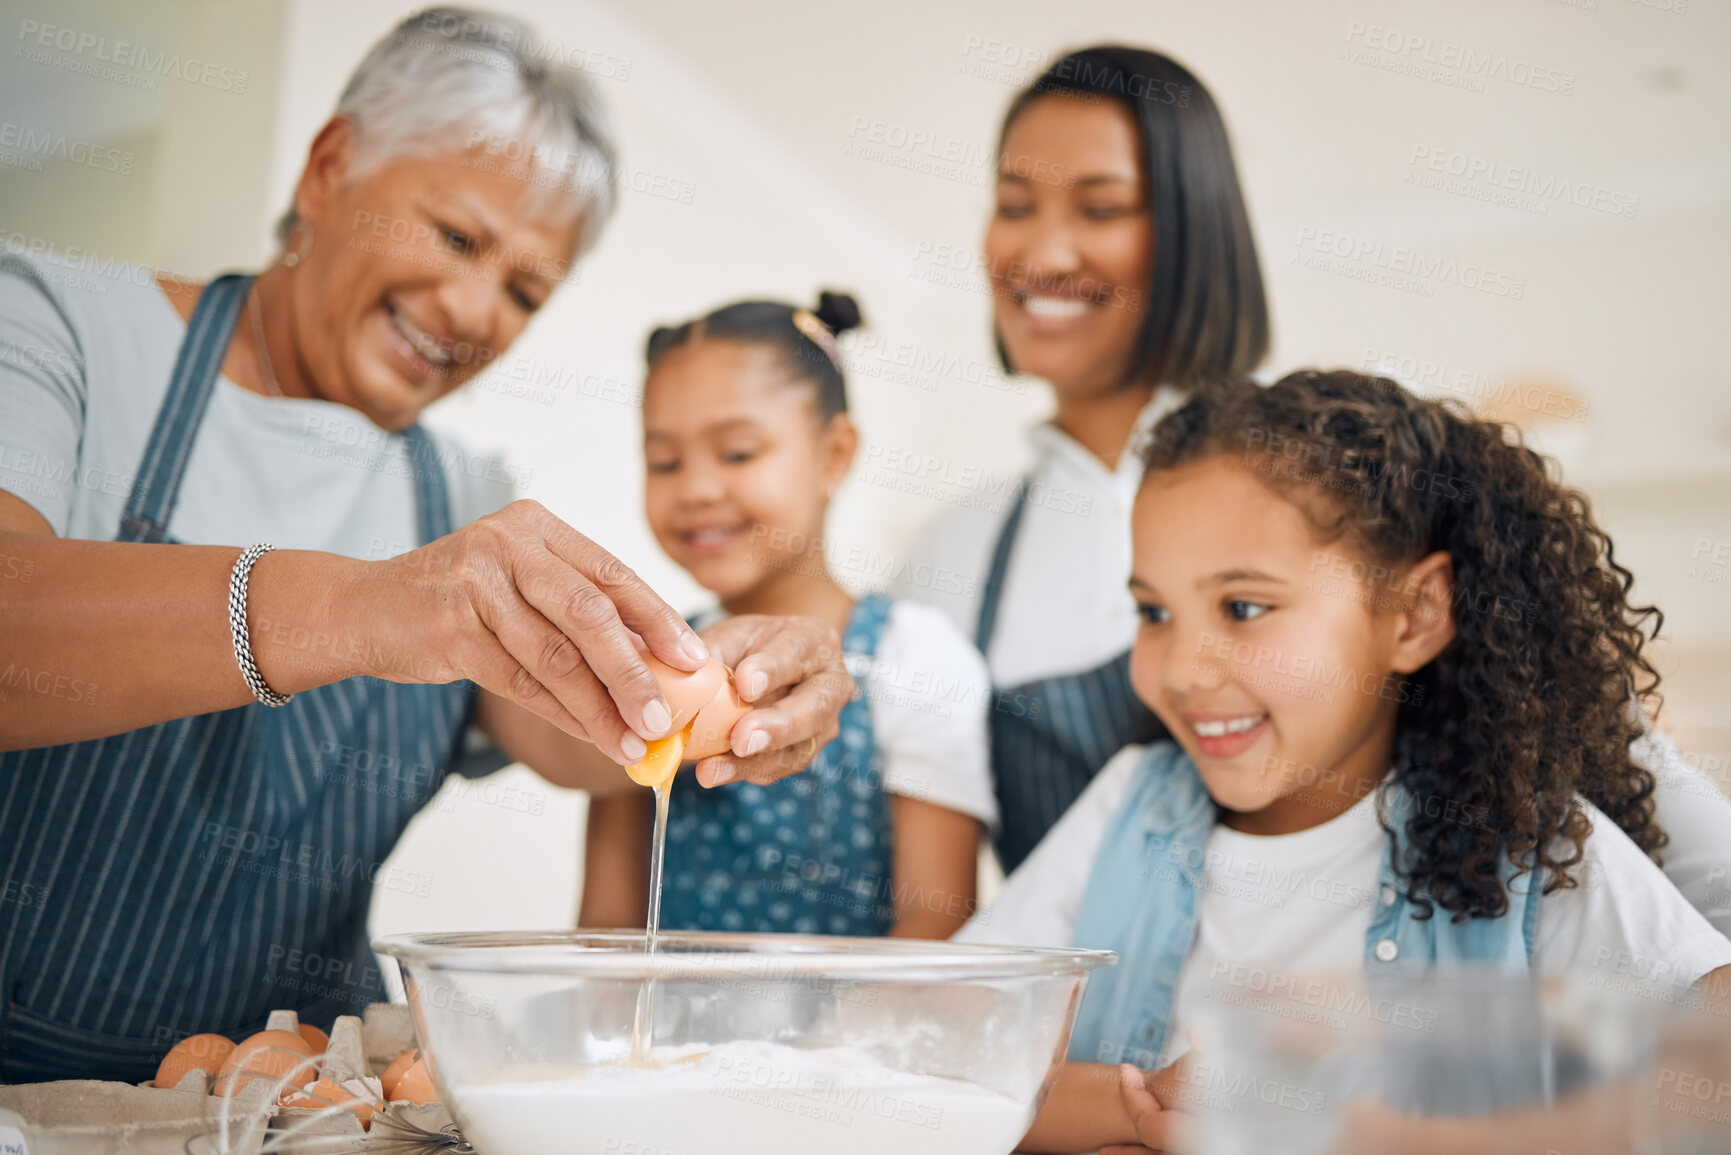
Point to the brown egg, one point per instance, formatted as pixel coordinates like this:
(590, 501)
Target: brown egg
(193, 1053)
(687, 691)
(326, 1093)
(269, 1055)
(316, 1039)
(709, 730)
(401, 1063)
(416, 1085)
(712, 729)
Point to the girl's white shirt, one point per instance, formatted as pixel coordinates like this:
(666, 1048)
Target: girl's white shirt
(1303, 903)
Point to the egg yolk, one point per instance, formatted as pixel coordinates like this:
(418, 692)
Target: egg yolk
(656, 768)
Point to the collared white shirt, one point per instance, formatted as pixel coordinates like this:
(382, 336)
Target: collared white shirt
(1066, 607)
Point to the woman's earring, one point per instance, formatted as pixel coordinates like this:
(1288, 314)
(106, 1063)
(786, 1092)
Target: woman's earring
(294, 258)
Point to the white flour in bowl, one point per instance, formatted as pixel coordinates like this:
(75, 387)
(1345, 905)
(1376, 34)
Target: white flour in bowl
(736, 1099)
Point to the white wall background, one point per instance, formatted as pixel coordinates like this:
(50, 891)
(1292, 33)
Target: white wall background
(763, 108)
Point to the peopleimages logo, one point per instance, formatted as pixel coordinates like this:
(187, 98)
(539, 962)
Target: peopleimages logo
(1518, 186)
(1448, 61)
(87, 53)
(1400, 266)
(20, 142)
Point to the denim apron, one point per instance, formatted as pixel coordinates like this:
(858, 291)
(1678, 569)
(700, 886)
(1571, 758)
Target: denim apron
(810, 854)
(195, 875)
(1050, 736)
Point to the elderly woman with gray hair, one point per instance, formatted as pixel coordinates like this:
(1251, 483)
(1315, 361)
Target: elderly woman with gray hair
(213, 746)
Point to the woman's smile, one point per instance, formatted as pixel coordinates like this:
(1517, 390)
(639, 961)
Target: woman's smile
(424, 355)
(1052, 314)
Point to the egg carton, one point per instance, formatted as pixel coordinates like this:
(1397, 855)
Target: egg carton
(359, 1050)
(92, 1117)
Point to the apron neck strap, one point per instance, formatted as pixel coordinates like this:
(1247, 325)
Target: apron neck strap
(196, 369)
(432, 493)
(994, 591)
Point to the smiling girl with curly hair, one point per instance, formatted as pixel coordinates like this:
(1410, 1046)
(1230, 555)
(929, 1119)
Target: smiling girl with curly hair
(1403, 673)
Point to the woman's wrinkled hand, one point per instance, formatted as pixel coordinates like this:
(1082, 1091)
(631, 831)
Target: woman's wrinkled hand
(791, 669)
(530, 609)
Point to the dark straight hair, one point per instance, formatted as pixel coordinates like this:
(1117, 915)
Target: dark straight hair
(812, 354)
(1207, 316)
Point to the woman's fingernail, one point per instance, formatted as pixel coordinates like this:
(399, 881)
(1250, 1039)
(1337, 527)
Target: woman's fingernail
(656, 719)
(633, 746)
(757, 743)
(721, 775)
(694, 648)
(755, 686)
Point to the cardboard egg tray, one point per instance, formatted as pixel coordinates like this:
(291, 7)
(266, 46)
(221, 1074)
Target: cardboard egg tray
(91, 1117)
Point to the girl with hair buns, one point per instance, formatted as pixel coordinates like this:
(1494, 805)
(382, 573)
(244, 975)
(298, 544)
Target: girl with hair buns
(747, 435)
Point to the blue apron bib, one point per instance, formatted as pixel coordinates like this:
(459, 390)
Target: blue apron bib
(1051, 736)
(195, 875)
(810, 854)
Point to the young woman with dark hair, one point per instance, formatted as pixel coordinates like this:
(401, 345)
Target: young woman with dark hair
(1124, 273)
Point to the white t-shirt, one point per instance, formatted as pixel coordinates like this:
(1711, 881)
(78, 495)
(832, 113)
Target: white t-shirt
(1303, 902)
(85, 362)
(1066, 606)
(928, 694)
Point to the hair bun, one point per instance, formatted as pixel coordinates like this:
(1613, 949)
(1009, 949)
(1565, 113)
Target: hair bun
(838, 311)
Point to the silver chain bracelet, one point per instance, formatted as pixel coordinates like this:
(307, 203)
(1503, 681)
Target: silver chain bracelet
(237, 582)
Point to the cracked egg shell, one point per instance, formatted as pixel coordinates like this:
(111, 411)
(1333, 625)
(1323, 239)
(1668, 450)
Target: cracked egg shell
(326, 1093)
(401, 1063)
(687, 691)
(712, 729)
(416, 1085)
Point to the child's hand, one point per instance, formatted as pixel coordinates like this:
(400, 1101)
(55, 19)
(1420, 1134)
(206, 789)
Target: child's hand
(1157, 1128)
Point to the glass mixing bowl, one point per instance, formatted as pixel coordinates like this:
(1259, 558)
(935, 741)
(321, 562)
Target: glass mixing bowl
(759, 1043)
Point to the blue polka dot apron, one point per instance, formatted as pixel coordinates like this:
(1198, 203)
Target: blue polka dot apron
(1051, 736)
(195, 875)
(810, 854)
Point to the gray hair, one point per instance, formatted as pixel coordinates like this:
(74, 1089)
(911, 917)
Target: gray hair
(453, 78)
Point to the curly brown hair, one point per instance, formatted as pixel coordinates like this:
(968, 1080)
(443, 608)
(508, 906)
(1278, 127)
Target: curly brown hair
(1533, 705)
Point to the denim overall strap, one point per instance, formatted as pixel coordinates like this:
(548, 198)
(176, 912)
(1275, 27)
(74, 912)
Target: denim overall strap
(1050, 736)
(196, 369)
(1141, 901)
(194, 875)
(1397, 937)
(811, 854)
